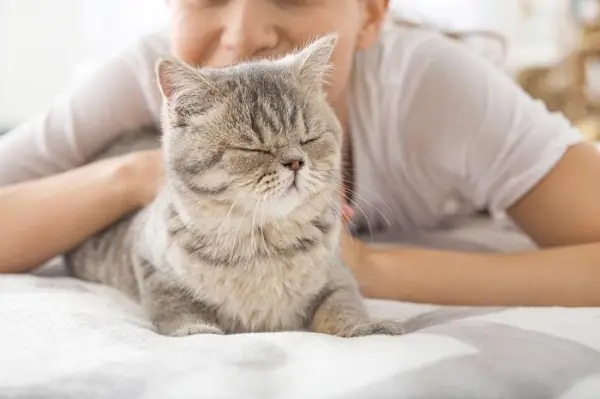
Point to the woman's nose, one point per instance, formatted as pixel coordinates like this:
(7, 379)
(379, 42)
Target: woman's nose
(249, 30)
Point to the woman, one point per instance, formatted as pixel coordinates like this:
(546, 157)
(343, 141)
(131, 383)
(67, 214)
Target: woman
(426, 121)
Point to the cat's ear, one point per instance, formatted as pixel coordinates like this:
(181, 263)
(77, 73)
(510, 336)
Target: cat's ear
(175, 78)
(313, 62)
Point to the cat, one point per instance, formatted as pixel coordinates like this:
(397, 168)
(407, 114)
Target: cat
(244, 235)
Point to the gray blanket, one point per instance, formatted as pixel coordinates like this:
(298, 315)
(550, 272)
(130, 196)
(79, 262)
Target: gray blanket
(62, 338)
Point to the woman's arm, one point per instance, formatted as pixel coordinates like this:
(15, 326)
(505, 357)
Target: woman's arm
(490, 146)
(562, 214)
(552, 277)
(44, 218)
(120, 97)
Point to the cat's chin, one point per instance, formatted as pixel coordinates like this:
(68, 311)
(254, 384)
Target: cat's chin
(281, 207)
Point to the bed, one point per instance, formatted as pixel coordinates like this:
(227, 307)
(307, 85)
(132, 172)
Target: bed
(64, 338)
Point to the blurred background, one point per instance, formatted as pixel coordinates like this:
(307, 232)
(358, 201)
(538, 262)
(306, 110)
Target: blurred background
(546, 45)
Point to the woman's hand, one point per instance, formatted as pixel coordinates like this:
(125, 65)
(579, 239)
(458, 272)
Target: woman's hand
(43, 218)
(144, 172)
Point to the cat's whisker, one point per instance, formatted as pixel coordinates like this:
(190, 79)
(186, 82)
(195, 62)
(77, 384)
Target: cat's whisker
(340, 191)
(262, 210)
(338, 208)
(364, 214)
(380, 198)
(236, 237)
(389, 209)
(226, 218)
(350, 228)
(266, 247)
(316, 181)
(389, 223)
(253, 226)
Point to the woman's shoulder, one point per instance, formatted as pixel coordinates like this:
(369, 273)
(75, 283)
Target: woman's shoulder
(155, 43)
(387, 85)
(410, 69)
(139, 56)
(403, 50)
(137, 61)
(146, 49)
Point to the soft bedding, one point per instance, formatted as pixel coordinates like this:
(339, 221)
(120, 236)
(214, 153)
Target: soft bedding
(63, 338)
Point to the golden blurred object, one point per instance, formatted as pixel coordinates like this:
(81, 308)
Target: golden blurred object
(590, 128)
(567, 87)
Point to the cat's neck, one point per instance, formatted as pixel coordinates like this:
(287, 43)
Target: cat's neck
(226, 218)
(231, 229)
(216, 233)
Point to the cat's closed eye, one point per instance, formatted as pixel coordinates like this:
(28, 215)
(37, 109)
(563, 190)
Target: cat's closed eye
(309, 141)
(247, 149)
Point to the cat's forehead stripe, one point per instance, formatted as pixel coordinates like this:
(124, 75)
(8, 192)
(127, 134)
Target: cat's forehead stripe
(272, 104)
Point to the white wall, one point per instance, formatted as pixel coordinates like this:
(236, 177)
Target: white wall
(38, 39)
(540, 39)
(46, 44)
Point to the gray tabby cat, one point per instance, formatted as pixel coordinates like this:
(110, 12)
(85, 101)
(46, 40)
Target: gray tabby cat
(244, 235)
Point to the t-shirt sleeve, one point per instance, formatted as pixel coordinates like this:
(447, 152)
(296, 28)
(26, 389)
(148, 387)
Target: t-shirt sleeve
(477, 130)
(118, 97)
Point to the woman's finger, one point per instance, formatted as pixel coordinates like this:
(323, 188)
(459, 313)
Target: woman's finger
(347, 212)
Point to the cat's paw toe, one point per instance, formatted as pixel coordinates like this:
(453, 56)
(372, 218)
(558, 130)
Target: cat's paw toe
(385, 327)
(193, 329)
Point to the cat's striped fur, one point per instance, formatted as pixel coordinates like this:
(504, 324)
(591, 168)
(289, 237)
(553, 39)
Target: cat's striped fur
(244, 235)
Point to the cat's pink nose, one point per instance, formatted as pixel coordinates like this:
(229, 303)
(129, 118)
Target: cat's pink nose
(294, 164)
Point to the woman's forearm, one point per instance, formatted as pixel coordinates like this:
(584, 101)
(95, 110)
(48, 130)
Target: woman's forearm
(44, 218)
(567, 276)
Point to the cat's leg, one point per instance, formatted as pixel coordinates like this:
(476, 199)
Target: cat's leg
(172, 309)
(175, 313)
(341, 312)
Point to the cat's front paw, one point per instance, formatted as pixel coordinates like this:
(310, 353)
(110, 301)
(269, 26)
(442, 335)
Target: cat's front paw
(193, 329)
(189, 329)
(385, 327)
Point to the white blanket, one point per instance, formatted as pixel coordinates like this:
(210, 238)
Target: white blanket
(63, 338)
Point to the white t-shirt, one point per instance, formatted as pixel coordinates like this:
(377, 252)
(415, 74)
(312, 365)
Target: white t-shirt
(437, 131)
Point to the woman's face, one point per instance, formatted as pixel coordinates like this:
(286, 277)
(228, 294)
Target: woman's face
(219, 33)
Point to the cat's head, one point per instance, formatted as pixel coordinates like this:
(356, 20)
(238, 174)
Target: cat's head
(258, 132)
